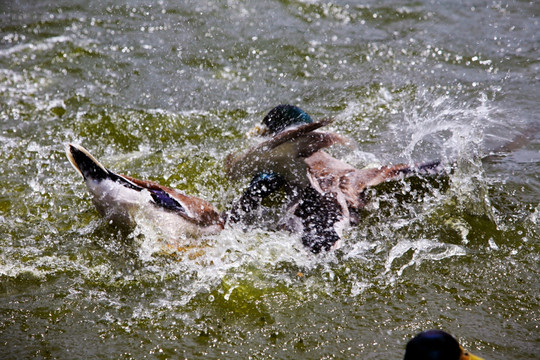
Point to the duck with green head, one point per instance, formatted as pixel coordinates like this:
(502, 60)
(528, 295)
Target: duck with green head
(325, 193)
(436, 345)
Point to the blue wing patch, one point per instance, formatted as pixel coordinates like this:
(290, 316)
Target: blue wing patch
(163, 199)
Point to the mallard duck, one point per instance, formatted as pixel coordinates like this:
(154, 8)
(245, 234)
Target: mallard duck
(123, 199)
(293, 138)
(436, 345)
(325, 193)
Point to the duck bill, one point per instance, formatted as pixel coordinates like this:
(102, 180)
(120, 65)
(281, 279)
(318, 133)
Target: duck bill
(258, 130)
(473, 357)
(465, 355)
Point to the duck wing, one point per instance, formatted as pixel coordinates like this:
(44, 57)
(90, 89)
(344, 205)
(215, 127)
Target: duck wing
(335, 176)
(195, 209)
(113, 191)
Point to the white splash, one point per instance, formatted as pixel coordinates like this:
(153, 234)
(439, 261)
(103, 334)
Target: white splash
(423, 250)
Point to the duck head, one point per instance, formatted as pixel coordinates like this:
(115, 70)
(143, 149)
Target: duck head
(436, 345)
(292, 138)
(284, 116)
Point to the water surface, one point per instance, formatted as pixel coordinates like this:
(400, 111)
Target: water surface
(165, 90)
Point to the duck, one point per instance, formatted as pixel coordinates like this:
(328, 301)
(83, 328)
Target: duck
(436, 345)
(289, 136)
(325, 194)
(124, 200)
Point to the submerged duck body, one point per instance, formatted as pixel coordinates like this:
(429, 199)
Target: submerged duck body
(436, 345)
(124, 200)
(326, 192)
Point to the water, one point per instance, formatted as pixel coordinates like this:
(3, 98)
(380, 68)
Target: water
(165, 90)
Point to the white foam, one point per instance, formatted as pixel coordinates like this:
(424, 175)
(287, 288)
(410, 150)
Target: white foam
(44, 45)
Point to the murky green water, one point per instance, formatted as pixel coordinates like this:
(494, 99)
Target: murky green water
(165, 90)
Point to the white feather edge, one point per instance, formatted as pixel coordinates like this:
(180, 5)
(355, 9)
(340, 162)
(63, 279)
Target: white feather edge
(74, 163)
(87, 153)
